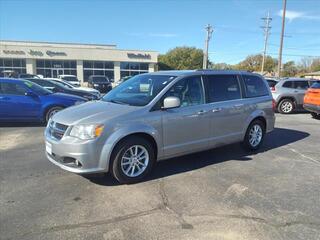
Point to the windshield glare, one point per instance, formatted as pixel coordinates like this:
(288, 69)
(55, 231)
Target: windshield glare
(138, 90)
(37, 88)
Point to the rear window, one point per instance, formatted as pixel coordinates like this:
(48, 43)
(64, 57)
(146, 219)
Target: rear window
(316, 85)
(254, 86)
(271, 83)
(222, 88)
(301, 84)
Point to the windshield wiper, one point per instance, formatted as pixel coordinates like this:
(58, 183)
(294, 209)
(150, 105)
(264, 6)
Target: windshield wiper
(119, 102)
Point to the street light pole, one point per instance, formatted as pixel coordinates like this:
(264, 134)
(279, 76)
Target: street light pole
(209, 31)
(281, 39)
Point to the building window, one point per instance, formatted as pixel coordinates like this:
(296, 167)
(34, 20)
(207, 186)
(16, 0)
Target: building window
(98, 68)
(54, 68)
(16, 65)
(132, 68)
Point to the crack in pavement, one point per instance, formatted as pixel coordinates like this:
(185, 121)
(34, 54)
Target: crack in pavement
(260, 220)
(165, 203)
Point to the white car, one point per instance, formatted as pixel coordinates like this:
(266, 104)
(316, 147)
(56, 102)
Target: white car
(69, 85)
(70, 79)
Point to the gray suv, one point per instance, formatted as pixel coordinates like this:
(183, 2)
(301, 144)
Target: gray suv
(156, 116)
(288, 94)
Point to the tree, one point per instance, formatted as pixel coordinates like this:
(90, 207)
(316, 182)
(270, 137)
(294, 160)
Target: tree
(220, 66)
(181, 58)
(315, 65)
(289, 69)
(253, 63)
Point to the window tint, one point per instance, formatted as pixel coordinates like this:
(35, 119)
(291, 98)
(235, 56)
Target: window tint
(288, 84)
(188, 90)
(254, 86)
(12, 88)
(222, 88)
(301, 85)
(316, 85)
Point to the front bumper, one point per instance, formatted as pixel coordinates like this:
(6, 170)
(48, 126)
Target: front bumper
(75, 155)
(312, 108)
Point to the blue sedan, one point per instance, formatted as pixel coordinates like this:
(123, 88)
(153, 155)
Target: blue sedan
(22, 100)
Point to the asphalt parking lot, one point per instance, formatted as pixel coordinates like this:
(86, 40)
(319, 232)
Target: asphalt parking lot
(224, 193)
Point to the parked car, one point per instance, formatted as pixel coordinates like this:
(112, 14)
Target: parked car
(22, 100)
(57, 87)
(71, 79)
(272, 83)
(311, 100)
(289, 93)
(27, 75)
(69, 85)
(101, 83)
(161, 115)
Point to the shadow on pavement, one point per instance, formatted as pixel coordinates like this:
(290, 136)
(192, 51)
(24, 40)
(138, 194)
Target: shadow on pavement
(278, 138)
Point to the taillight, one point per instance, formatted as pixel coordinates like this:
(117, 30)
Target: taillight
(274, 105)
(273, 89)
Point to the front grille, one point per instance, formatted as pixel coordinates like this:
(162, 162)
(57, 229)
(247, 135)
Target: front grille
(57, 130)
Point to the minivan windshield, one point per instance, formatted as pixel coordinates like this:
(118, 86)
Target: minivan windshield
(138, 90)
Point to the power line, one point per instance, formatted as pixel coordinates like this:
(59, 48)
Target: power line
(266, 30)
(209, 31)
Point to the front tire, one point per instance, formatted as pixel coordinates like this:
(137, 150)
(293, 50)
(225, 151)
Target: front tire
(51, 111)
(132, 160)
(254, 136)
(286, 106)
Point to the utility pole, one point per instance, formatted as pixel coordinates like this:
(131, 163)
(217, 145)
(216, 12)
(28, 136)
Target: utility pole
(209, 31)
(281, 39)
(266, 30)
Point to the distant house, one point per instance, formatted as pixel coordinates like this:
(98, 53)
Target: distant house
(314, 75)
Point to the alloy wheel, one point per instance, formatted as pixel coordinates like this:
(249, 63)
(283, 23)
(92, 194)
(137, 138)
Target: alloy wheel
(134, 161)
(255, 135)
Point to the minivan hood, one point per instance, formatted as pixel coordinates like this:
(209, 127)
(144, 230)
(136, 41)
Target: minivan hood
(92, 112)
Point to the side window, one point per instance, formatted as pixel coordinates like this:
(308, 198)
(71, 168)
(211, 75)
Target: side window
(189, 90)
(288, 84)
(12, 89)
(302, 85)
(222, 88)
(254, 86)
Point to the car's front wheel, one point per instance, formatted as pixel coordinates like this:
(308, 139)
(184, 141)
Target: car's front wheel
(254, 135)
(132, 159)
(315, 115)
(286, 106)
(51, 111)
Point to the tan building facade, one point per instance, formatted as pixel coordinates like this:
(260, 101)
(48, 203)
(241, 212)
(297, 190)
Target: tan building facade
(82, 60)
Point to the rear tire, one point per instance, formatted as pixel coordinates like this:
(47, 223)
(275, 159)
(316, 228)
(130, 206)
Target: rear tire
(315, 115)
(254, 136)
(132, 159)
(286, 106)
(51, 111)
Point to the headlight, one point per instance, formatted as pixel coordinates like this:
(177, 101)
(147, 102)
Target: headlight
(86, 132)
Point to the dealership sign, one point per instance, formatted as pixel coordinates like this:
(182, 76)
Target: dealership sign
(35, 53)
(139, 55)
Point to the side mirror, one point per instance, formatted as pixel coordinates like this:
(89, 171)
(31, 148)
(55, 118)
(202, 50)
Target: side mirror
(171, 102)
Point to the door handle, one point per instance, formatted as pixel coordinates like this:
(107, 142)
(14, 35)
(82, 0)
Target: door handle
(216, 110)
(201, 112)
(238, 105)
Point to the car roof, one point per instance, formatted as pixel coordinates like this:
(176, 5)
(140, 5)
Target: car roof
(15, 80)
(202, 72)
(298, 79)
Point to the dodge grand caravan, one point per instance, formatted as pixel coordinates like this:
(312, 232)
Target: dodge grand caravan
(157, 116)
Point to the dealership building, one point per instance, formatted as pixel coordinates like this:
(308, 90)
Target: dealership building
(83, 60)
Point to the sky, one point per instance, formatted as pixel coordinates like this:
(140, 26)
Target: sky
(163, 25)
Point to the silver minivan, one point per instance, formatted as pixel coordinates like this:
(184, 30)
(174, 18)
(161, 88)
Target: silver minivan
(156, 116)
